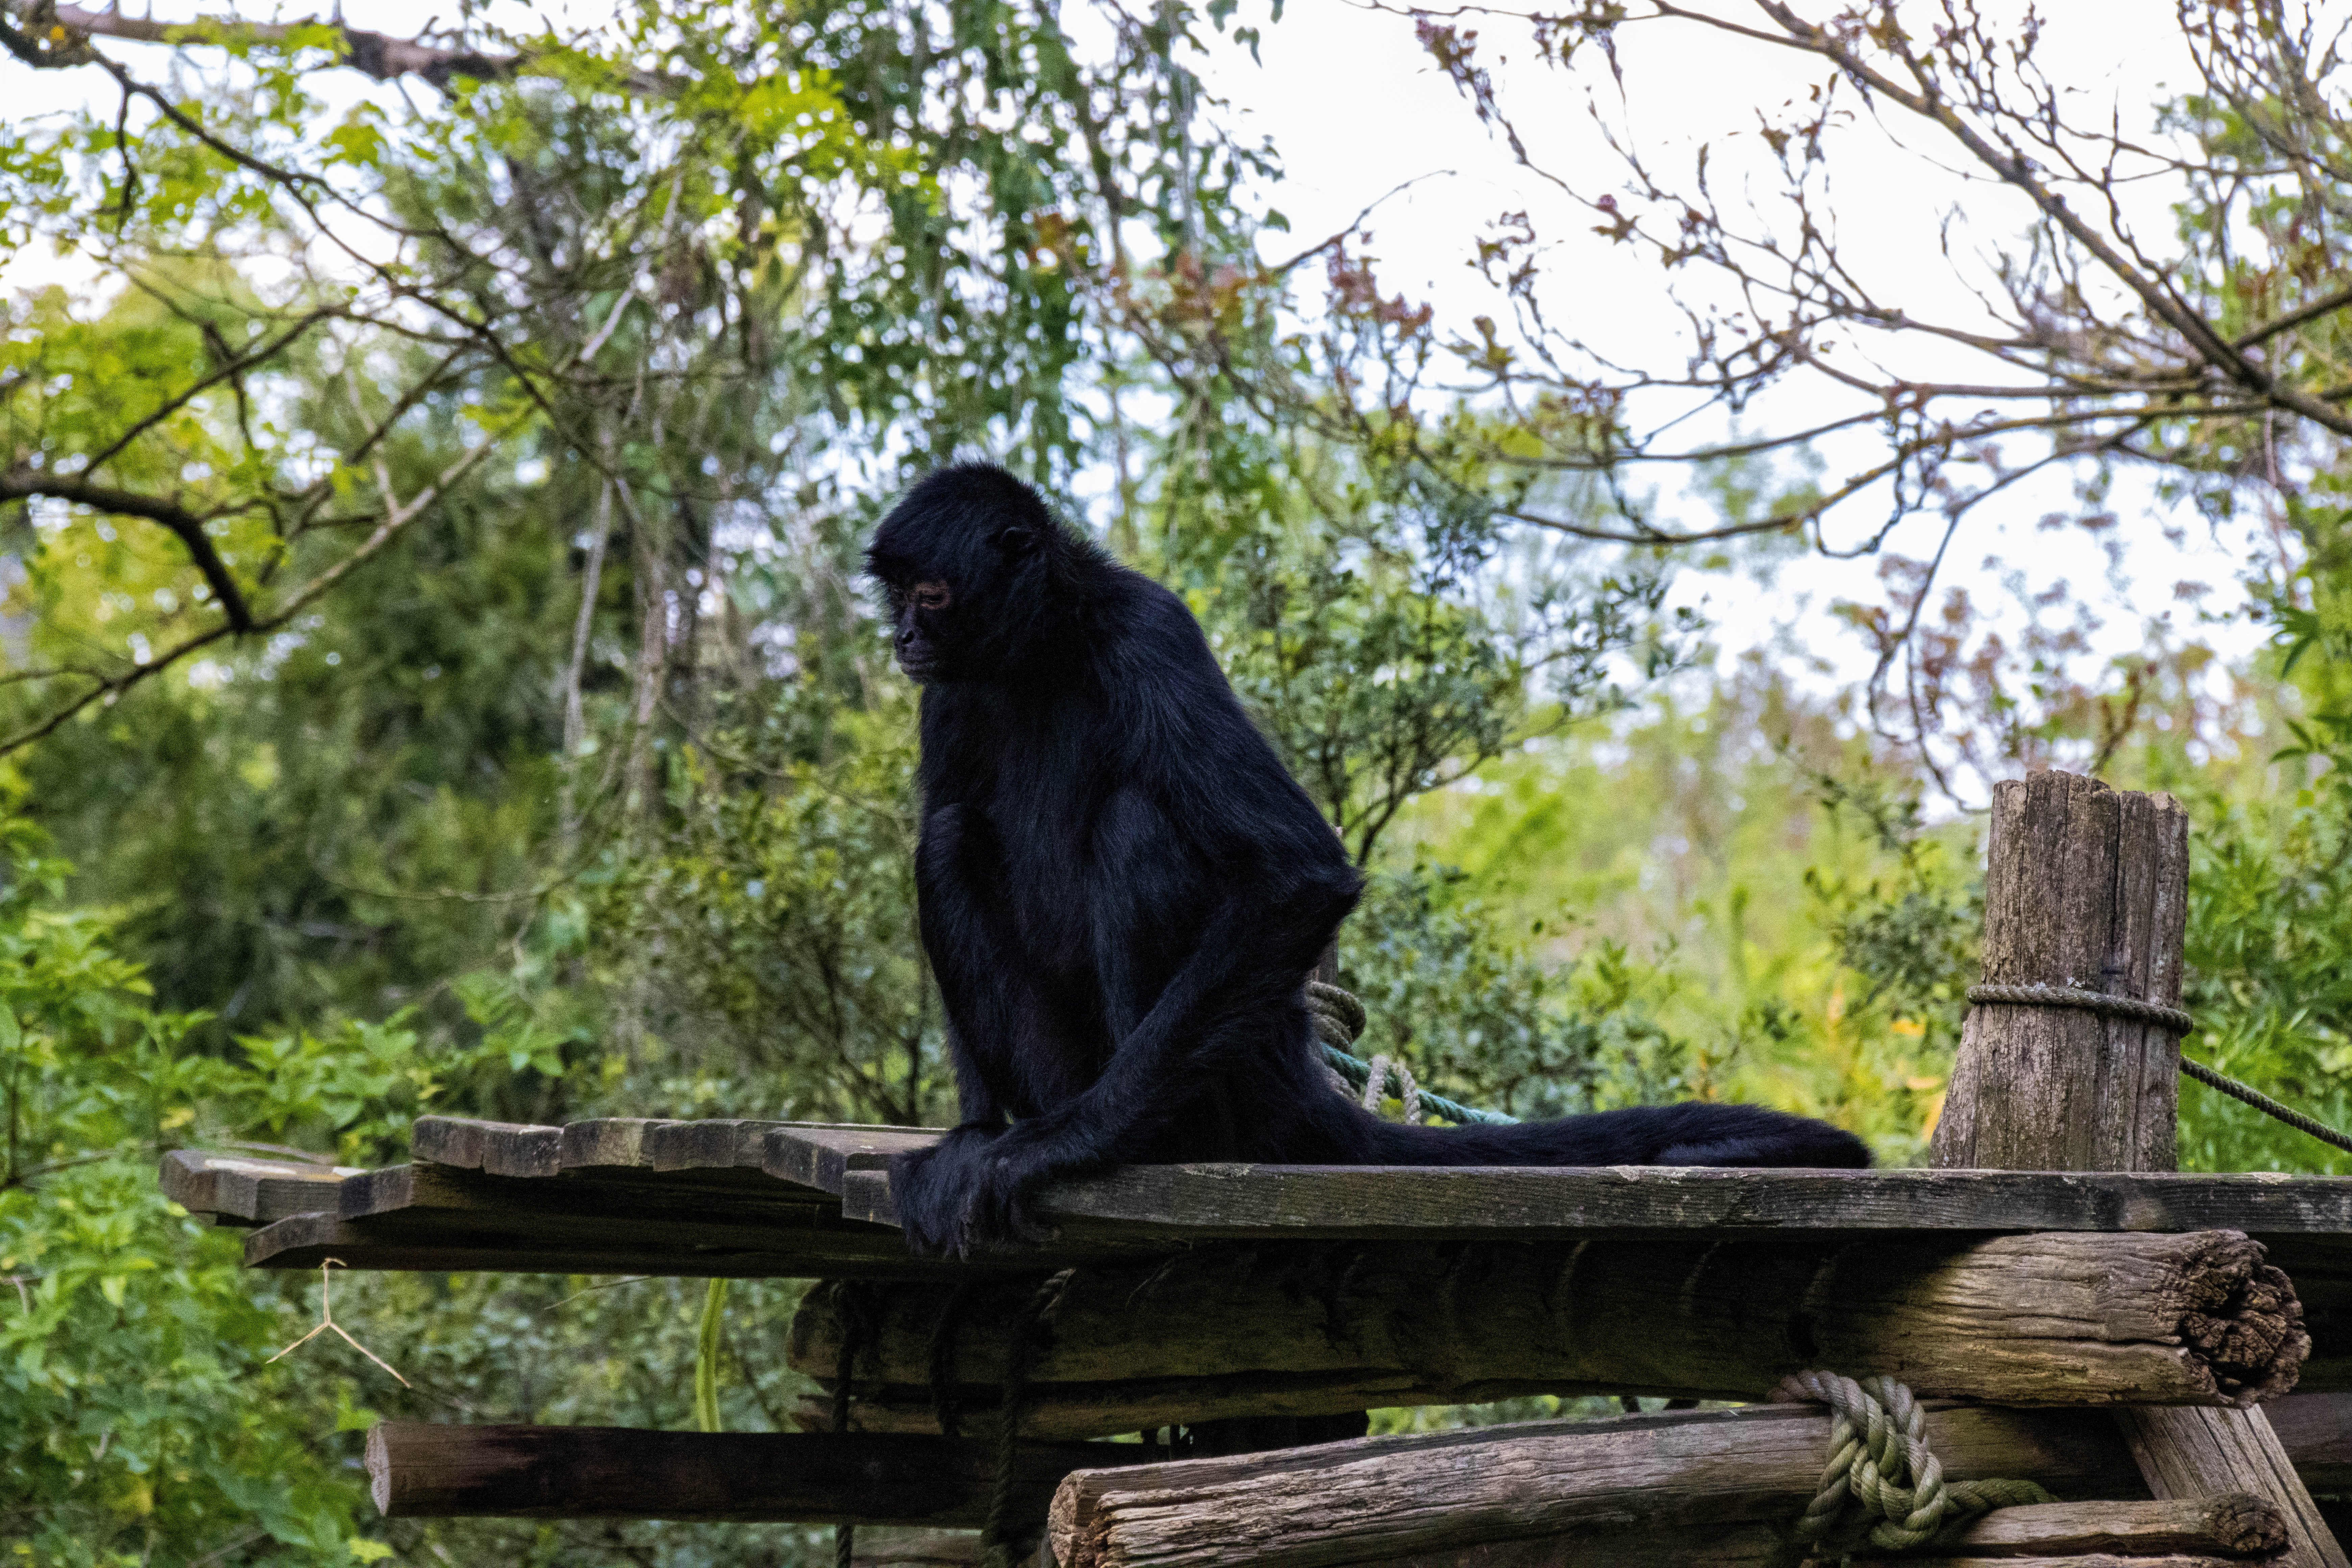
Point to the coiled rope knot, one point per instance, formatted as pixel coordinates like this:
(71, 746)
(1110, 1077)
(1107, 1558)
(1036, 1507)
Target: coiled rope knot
(1338, 1020)
(1883, 1487)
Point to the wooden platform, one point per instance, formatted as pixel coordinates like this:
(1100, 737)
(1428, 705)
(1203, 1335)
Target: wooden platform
(770, 1199)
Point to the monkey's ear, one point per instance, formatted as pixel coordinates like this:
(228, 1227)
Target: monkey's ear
(1015, 542)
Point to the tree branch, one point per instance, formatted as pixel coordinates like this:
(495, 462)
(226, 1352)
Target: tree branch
(377, 55)
(22, 484)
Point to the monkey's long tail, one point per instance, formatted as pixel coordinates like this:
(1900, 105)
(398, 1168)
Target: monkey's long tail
(1694, 1133)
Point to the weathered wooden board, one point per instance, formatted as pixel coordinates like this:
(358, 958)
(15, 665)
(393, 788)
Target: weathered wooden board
(241, 1189)
(439, 1242)
(1210, 1202)
(421, 1470)
(814, 1155)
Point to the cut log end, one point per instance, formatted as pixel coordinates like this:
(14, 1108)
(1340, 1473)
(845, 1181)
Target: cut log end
(2255, 1342)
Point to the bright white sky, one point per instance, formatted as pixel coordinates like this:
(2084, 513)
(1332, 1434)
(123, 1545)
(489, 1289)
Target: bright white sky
(1354, 108)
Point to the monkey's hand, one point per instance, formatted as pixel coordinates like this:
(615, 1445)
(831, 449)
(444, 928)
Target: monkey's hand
(968, 1193)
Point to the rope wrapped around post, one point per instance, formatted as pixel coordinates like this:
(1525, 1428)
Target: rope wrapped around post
(1883, 1487)
(2171, 1018)
(1340, 1020)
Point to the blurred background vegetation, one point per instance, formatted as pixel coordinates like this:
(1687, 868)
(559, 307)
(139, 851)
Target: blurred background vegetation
(435, 677)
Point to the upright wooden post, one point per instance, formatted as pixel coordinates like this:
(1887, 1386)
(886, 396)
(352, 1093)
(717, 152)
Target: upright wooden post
(2086, 886)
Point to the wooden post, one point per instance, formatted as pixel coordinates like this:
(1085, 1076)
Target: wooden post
(2086, 886)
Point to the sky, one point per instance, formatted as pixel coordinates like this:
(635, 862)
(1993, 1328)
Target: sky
(1355, 109)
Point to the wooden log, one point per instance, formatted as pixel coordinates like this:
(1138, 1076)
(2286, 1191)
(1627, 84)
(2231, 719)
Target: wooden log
(1630, 1479)
(426, 1470)
(2233, 1530)
(423, 1471)
(2087, 888)
(2197, 1459)
(2084, 887)
(2028, 1319)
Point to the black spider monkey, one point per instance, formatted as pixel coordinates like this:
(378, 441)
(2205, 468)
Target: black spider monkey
(1121, 891)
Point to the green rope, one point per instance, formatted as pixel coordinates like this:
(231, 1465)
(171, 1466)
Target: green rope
(1340, 1020)
(1883, 1488)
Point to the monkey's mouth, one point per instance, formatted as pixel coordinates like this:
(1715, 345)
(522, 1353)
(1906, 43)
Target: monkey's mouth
(919, 669)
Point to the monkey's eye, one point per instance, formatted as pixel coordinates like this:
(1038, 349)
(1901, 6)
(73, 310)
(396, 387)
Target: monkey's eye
(932, 595)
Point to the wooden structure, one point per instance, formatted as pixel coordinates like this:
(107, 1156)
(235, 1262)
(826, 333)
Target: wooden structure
(2082, 1315)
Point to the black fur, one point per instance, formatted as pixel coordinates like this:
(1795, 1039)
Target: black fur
(1121, 889)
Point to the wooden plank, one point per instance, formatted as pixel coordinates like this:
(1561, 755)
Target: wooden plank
(1242, 1201)
(239, 1189)
(914, 1546)
(679, 1197)
(500, 1148)
(422, 1470)
(2053, 1319)
(825, 1156)
(1381, 1498)
(2231, 1525)
(607, 1143)
(441, 1241)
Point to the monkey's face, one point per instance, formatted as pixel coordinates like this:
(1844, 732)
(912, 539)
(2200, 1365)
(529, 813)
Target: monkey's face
(961, 561)
(921, 614)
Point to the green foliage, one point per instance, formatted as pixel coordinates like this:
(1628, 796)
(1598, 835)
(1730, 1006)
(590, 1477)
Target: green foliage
(2269, 921)
(1449, 989)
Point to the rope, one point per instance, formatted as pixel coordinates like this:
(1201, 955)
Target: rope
(2099, 1002)
(2265, 1104)
(945, 1402)
(855, 1307)
(2171, 1019)
(1883, 1487)
(1029, 1334)
(1338, 1022)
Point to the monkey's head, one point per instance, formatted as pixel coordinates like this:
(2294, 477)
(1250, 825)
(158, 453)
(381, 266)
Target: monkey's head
(967, 560)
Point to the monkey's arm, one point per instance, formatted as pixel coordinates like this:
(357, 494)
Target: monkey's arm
(998, 1025)
(966, 952)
